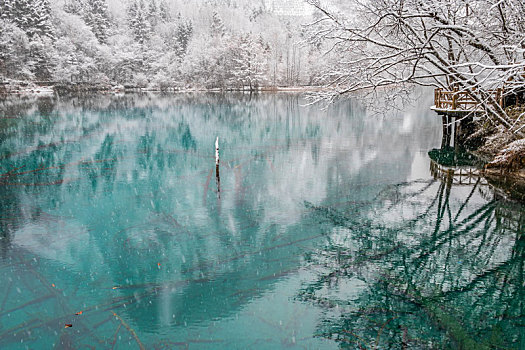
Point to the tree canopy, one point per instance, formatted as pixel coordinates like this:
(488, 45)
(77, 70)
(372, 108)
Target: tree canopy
(472, 46)
(156, 43)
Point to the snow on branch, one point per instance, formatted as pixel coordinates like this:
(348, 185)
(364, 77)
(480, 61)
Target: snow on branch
(453, 44)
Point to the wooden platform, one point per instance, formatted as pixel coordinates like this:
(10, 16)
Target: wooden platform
(457, 103)
(455, 112)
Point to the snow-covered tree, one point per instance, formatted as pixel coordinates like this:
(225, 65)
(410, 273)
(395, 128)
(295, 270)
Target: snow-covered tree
(219, 44)
(138, 21)
(41, 57)
(164, 11)
(35, 49)
(153, 13)
(217, 26)
(80, 56)
(95, 14)
(474, 46)
(97, 18)
(32, 16)
(183, 35)
(7, 8)
(14, 52)
(250, 62)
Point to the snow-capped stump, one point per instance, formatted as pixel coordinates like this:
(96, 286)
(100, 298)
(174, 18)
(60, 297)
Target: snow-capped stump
(511, 157)
(217, 151)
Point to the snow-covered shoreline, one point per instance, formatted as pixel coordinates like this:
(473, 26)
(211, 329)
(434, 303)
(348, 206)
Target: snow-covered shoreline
(30, 88)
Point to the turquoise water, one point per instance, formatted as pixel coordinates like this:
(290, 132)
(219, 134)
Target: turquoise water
(320, 229)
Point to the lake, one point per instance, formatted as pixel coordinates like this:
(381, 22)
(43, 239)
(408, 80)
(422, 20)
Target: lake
(320, 228)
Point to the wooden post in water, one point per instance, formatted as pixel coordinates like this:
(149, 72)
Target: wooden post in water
(457, 131)
(449, 177)
(217, 151)
(449, 130)
(445, 131)
(217, 175)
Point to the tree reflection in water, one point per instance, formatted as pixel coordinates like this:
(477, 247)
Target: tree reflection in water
(109, 206)
(422, 275)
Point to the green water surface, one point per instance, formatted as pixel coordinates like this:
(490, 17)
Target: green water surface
(320, 229)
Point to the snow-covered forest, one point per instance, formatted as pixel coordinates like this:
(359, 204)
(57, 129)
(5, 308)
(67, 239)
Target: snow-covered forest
(159, 43)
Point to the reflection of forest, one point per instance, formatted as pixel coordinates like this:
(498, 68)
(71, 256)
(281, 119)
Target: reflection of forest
(118, 191)
(432, 265)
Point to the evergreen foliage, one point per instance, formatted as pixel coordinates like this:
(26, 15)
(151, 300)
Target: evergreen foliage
(183, 35)
(138, 21)
(153, 13)
(164, 12)
(95, 14)
(96, 17)
(217, 26)
(32, 16)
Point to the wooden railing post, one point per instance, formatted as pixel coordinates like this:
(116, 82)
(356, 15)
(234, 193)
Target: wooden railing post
(454, 97)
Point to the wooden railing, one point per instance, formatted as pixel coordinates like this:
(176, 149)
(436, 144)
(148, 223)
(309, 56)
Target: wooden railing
(457, 175)
(462, 100)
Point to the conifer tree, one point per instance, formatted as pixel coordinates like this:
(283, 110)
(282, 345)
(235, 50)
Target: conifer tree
(138, 21)
(217, 26)
(183, 34)
(74, 6)
(153, 13)
(14, 51)
(41, 22)
(41, 63)
(96, 17)
(94, 13)
(164, 12)
(6, 9)
(32, 16)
